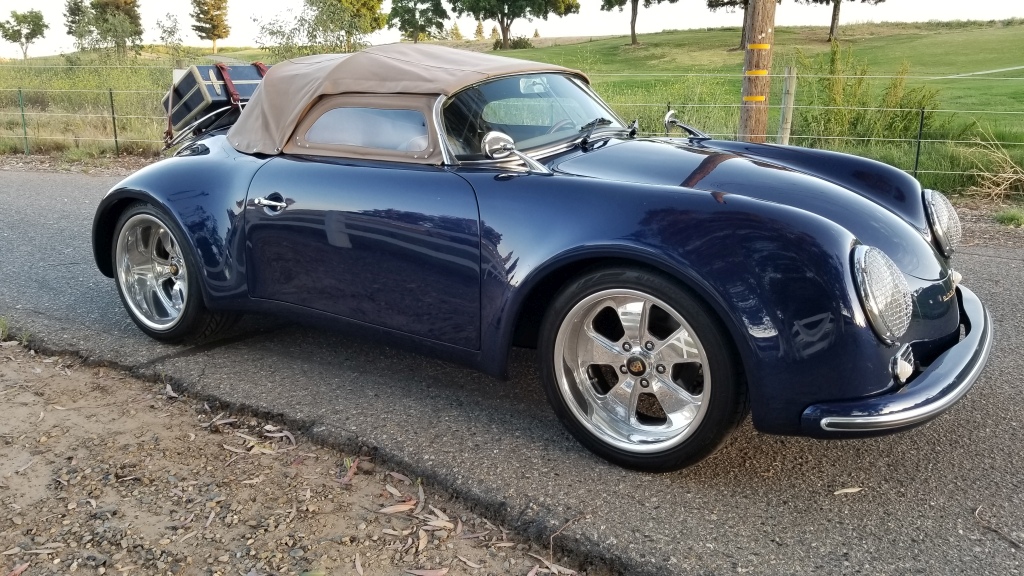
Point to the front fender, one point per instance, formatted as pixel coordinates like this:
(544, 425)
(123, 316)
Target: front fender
(888, 186)
(778, 277)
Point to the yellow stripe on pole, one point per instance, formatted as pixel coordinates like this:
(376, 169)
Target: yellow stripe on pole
(753, 98)
(757, 72)
(758, 46)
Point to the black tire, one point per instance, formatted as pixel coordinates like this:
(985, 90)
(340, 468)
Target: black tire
(725, 393)
(194, 322)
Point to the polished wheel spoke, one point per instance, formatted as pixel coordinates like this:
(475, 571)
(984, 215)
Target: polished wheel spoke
(674, 400)
(620, 403)
(632, 314)
(677, 348)
(596, 349)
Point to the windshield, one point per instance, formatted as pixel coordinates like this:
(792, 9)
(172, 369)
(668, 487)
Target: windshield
(536, 110)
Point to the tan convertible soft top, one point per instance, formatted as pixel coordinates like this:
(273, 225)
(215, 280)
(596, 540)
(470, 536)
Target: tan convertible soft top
(292, 87)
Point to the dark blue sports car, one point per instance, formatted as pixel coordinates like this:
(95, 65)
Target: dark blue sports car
(463, 203)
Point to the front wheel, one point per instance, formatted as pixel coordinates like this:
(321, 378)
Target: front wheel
(639, 371)
(158, 278)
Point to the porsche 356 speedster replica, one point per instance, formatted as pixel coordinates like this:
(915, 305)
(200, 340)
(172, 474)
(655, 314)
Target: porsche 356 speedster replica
(463, 203)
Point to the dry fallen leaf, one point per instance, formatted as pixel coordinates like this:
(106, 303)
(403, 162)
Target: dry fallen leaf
(423, 541)
(233, 449)
(439, 514)
(848, 490)
(470, 564)
(396, 508)
(401, 477)
(534, 571)
(438, 572)
(441, 524)
(169, 393)
(394, 491)
(359, 566)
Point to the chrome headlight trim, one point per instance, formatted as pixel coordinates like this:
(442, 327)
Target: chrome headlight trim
(884, 293)
(944, 221)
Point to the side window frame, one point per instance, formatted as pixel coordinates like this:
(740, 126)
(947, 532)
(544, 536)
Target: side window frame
(297, 144)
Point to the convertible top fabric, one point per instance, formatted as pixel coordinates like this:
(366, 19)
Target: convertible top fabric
(292, 87)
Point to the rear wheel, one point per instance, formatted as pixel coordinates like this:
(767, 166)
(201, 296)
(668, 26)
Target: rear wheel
(639, 371)
(157, 278)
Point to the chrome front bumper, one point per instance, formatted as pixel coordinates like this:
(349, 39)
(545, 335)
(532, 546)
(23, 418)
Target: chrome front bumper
(931, 393)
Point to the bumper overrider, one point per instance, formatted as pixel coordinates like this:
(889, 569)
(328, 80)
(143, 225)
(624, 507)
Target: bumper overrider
(932, 392)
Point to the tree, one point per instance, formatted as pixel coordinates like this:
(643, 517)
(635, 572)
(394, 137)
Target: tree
(23, 29)
(494, 33)
(211, 18)
(478, 34)
(170, 35)
(117, 23)
(417, 19)
(536, 33)
(834, 28)
(323, 26)
(78, 22)
(608, 5)
(455, 33)
(507, 11)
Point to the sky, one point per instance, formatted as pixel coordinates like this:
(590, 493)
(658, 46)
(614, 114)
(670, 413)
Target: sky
(243, 16)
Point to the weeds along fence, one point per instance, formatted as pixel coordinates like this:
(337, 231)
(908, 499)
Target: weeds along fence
(90, 111)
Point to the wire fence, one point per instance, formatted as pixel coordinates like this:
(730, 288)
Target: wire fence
(943, 146)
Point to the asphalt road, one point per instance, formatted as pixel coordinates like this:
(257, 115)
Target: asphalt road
(762, 505)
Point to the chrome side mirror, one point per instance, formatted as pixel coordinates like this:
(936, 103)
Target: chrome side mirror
(671, 122)
(498, 146)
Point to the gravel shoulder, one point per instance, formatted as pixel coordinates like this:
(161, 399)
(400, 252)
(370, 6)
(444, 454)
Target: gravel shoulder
(101, 473)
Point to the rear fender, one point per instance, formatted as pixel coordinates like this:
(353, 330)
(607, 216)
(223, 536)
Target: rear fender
(205, 193)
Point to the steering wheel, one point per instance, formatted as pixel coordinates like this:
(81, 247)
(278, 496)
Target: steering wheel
(560, 125)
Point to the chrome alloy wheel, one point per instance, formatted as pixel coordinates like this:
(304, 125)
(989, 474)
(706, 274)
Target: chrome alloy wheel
(151, 272)
(632, 371)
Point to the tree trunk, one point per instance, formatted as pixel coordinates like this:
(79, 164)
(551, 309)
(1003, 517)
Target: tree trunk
(635, 5)
(834, 29)
(506, 28)
(743, 34)
(214, 45)
(24, 52)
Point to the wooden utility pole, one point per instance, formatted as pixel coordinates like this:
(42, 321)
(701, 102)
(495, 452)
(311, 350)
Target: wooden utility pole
(760, 34)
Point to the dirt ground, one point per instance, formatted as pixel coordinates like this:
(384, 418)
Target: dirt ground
(104, 474)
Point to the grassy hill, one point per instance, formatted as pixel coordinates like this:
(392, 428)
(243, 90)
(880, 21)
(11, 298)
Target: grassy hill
(943, 66)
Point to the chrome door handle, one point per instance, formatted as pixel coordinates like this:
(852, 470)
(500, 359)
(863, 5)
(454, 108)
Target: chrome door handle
(270, 203)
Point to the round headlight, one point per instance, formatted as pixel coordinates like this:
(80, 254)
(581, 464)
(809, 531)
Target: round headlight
(944, 220)
(883, 292)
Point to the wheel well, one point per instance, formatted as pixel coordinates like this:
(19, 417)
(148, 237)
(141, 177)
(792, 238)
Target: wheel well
(531, 313)
(103, 234)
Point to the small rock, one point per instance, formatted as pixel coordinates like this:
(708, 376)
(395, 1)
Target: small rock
(17, 520)
(366, 467)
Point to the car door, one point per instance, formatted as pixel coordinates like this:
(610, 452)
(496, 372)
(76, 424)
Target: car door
(392, 244)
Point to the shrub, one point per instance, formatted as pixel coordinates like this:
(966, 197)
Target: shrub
(516, 43)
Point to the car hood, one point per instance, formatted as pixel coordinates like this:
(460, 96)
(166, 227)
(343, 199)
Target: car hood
(704, 167)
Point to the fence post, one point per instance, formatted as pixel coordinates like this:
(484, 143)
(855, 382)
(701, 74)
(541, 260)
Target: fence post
(920, 132)
(113, 120)
(24, 125)
(788, 101)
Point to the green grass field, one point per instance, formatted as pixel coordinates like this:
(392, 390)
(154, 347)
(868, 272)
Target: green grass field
(696, 71)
